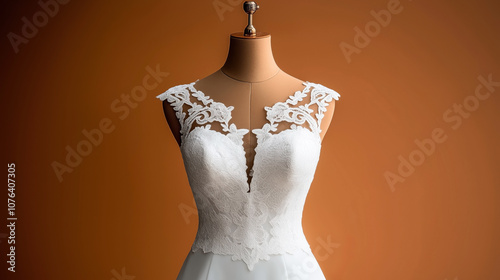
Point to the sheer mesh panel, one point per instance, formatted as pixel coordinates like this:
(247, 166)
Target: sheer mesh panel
(303, 109)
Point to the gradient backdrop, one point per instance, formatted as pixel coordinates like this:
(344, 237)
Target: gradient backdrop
(408, 184)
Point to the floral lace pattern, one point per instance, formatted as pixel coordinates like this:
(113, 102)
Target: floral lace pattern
(209, 112)
(282, 111)
(250, 226)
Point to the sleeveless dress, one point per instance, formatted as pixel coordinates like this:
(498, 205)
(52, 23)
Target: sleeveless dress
(250, 231)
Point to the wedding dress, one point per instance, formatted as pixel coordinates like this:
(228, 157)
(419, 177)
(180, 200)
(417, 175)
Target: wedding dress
(250, 231)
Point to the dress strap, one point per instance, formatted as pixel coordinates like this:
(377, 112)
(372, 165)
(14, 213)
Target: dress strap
(297, 111)
(321, 96)
(200, 115)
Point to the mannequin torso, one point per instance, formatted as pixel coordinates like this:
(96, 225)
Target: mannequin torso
(249, 81)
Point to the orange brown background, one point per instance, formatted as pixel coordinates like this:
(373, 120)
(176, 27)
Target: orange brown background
(126, 209)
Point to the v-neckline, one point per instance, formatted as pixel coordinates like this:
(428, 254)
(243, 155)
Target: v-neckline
(249, 181)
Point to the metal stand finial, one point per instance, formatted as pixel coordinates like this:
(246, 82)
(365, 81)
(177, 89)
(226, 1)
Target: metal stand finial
(250, 8)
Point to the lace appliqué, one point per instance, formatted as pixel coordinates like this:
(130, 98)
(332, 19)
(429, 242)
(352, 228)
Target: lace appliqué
(210, 111)
(297, 116)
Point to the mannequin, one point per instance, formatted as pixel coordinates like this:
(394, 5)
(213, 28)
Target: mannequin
(250, 117)
(249, 80)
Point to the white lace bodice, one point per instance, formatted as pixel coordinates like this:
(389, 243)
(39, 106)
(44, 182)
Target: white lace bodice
(250, 226)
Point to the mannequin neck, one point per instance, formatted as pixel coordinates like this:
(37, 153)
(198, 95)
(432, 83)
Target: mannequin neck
(250, 59)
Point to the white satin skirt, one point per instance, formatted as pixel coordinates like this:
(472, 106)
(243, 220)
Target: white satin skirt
(209, 266)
